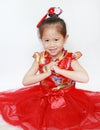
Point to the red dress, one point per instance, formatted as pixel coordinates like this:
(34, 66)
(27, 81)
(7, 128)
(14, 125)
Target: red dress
(40, 108)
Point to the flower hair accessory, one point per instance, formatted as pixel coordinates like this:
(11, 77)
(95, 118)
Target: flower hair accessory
(53, 11)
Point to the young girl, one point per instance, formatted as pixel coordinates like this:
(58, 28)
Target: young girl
(54, 103)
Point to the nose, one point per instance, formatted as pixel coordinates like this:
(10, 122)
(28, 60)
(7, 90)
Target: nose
(52, 43)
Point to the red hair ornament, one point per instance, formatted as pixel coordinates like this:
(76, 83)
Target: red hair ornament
(53, 11)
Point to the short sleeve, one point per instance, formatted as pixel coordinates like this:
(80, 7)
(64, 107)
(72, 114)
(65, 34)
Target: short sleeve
(36, 55)
(76, 55)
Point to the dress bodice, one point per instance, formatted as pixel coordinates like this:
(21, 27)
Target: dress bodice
(54, 80)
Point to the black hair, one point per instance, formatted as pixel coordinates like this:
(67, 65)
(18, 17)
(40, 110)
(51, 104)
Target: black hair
(55, 20)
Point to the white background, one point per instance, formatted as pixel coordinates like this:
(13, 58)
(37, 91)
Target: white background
(19, 39)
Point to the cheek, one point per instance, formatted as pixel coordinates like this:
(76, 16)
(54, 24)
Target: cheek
(61, 45)
(45, 46)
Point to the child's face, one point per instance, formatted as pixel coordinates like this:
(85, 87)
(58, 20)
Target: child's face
(53, 41)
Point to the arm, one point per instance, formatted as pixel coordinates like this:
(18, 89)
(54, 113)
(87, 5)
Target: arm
(78, 74)
(32, 77)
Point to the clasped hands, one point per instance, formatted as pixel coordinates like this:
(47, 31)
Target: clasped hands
(52, 67)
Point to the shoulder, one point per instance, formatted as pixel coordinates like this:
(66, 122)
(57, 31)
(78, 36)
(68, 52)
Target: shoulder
(38, 55)
(75, 55)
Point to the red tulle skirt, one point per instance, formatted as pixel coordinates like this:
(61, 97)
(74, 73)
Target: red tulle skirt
(34, 108)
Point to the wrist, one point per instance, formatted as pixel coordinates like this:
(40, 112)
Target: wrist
(48, 73)
(59, 71)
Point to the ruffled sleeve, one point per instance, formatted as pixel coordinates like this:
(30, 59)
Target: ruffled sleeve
(40, 57)
(36, 55)
(76, 55)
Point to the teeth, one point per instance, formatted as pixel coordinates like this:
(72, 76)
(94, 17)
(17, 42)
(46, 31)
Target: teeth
(53, 50)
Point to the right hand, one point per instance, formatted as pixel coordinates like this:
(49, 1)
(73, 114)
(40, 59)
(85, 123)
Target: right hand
(50, 65)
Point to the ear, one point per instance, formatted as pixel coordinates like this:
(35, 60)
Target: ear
(66, 37)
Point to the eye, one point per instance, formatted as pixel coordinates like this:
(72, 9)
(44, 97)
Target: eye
(46, 40)
(56, 39)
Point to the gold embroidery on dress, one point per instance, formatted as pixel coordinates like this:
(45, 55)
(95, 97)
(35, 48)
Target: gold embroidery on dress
(42, 58)
(36, 56)
(76, 55)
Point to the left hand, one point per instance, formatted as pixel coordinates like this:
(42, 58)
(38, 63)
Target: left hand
(55, 68)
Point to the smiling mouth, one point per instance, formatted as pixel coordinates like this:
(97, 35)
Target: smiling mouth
(53, 50)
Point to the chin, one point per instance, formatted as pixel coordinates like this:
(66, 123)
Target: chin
(54, 55)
